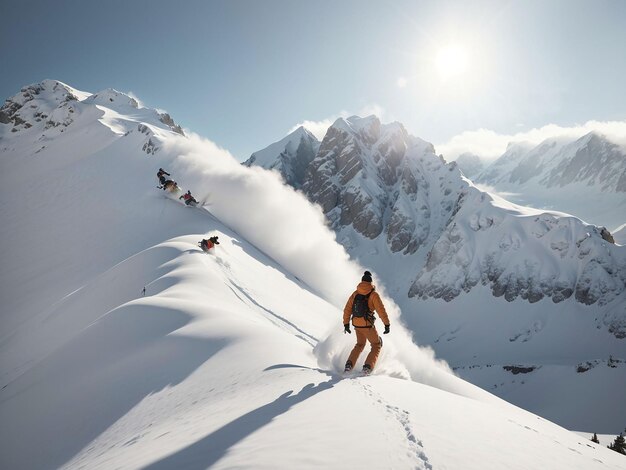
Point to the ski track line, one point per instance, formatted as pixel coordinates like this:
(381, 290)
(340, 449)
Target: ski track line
(274, 318)
(277, 319)
(415, 446)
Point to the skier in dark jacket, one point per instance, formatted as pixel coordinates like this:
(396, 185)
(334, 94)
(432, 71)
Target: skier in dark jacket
(361, 306)
(188, 198)
(161, 175)
(207, 244)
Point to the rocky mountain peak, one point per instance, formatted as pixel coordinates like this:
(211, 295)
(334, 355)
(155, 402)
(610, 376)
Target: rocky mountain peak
(367, 128)
(290, 156)
(373, 178)
(49, 107)
(35, 102)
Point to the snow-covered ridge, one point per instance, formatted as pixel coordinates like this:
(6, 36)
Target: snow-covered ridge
(492, 242)
(124, 346)
(52, 106)
(592, 159)
(178, 375)
(94, 220)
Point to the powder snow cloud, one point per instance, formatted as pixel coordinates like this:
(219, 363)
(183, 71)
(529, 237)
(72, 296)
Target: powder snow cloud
(282, 223)
(257, 204)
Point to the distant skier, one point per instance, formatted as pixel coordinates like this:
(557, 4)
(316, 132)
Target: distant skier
(360, 306)
(189, 199)
(161, 175)
(207, 244)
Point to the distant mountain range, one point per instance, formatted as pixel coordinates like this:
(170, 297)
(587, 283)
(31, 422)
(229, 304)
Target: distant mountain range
(583, 176)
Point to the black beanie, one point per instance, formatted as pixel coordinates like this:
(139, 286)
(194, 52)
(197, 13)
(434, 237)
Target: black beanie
(367, 276)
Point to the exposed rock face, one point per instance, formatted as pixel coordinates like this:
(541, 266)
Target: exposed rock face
(168, 121)
(606, 235)
(372, 177)
(32, 105)
(46, 109)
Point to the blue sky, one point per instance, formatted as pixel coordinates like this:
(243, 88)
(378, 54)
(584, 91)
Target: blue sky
(243, 73)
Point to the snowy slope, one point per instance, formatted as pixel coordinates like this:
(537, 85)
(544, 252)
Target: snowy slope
(483, 281)
(585, 176)
(230, 358)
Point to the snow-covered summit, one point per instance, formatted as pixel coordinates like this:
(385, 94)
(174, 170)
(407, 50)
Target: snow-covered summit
(51, 102)
(49, 107)
(364, 126)
(290, 156)
(112, 98)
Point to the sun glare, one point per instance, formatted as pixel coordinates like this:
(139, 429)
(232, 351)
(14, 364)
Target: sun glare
(452, 61)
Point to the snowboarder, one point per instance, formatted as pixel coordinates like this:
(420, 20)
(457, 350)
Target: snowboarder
(360, 306)
(207, 244)
(161, 175)
(189, 199)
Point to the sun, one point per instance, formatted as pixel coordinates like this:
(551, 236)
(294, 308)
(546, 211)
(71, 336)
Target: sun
(452, 61)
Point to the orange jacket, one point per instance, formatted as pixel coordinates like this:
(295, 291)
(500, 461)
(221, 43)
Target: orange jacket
(373, 303)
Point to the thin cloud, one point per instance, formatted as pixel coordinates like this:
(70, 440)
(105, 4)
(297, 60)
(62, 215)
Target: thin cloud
(136, 98)
(490, 145)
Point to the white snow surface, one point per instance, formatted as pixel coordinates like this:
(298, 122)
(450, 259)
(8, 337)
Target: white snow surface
(230, 359)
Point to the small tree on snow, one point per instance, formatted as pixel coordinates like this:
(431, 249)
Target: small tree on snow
(619, 445)
(595, 438)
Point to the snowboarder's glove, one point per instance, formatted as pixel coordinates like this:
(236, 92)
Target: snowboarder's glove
(386, 329)
(346, 328)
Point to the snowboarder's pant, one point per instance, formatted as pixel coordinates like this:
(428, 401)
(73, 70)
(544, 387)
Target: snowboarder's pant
(363, 335)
